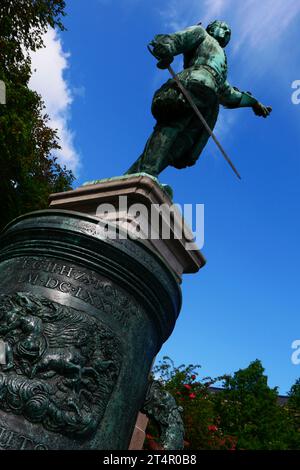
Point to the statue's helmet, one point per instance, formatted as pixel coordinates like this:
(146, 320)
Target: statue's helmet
(221, 31)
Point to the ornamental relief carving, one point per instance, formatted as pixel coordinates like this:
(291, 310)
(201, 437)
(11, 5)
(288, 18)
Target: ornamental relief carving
(61, 364)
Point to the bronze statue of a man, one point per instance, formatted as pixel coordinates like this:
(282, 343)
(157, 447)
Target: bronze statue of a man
(179, 137)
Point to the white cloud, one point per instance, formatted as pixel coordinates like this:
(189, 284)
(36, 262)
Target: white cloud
(255, 22)
(214, 8)
(266, 22)
(259, 31)
(49, 81)
(182, 13)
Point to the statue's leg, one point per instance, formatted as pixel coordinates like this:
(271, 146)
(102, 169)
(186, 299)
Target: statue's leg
(157, 153)
(184, 143)
(182, 150)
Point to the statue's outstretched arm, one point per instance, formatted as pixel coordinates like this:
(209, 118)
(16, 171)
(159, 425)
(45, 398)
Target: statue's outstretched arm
(232, 97)
(166, 46)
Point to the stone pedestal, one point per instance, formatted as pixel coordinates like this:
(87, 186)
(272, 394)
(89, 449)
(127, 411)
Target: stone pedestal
(139, 433)
(82, 316)
(123, 198)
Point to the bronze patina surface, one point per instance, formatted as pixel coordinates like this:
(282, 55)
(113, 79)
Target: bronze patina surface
(179, 137)
(82, 317)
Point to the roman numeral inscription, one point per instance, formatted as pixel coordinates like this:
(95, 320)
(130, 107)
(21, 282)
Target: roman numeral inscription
(86, 286)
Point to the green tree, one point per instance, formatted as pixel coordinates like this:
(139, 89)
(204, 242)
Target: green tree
(28, 170)
(294, 396)
(249, 410)
(293, 409)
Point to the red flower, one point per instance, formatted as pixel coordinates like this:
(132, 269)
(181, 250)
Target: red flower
(193, 377)
(188, 387)
(192, 396)
(212, 428)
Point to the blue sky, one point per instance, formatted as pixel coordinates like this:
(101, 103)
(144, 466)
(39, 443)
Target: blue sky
(98, 80)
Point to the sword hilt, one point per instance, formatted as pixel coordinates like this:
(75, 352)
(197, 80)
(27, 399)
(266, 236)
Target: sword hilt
(150, 48)
(162, 63)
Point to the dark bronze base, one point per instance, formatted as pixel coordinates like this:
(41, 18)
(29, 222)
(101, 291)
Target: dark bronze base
(82, 318)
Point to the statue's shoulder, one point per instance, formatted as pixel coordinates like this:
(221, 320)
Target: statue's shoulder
(198, 30)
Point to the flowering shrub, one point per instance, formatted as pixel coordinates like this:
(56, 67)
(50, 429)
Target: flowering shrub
(202, 430)
(244, 414)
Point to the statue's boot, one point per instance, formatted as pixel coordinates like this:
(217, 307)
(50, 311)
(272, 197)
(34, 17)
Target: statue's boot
(157, 153)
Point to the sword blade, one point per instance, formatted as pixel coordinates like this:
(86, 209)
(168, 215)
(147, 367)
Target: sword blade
(202, 119)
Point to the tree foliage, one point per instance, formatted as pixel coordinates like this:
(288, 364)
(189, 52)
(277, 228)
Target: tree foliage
(28, 170)
(23, 23)
(244, 413)
(250, 410)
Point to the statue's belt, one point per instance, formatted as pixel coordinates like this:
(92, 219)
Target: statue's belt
(219, 79)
